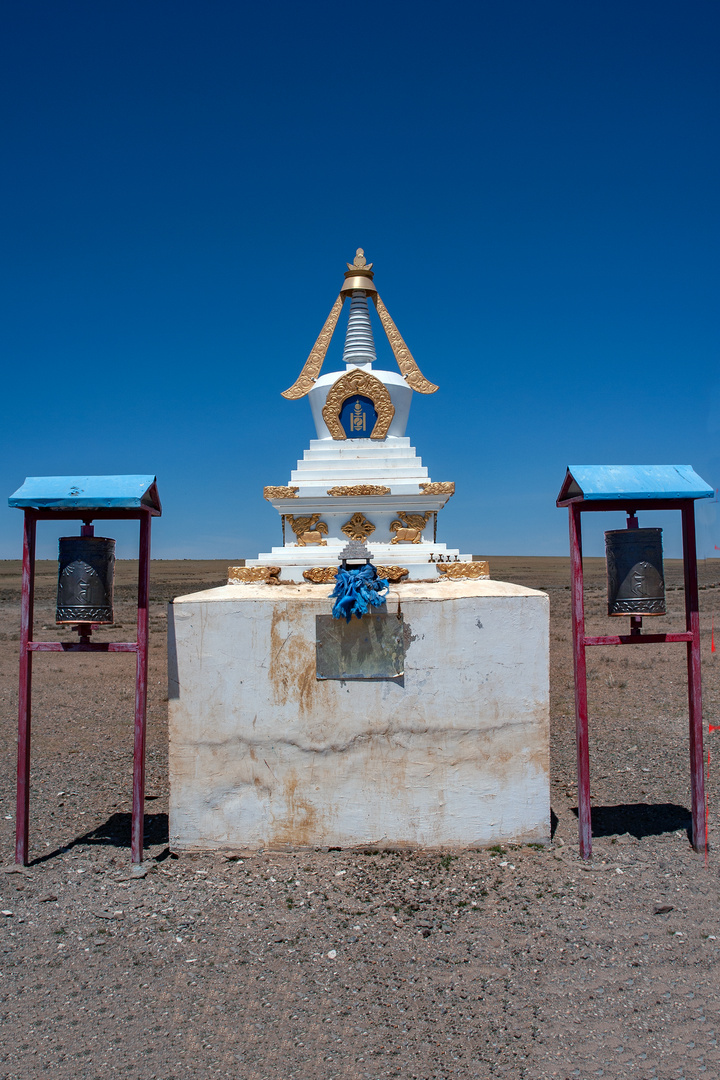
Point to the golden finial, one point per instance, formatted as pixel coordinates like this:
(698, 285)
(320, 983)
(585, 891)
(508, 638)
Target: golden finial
(358, 262)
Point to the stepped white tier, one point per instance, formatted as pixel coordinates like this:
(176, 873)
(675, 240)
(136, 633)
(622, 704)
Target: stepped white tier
(360, 478)
(391, 463)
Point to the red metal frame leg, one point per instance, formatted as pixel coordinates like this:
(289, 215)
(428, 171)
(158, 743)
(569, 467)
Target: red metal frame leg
(138, 811)
(581, 706)
(22, 814)
(692, 616)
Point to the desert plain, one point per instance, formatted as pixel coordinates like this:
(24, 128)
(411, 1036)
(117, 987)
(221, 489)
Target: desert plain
(521, 962)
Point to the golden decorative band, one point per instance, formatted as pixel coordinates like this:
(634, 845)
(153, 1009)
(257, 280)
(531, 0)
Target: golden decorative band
(325, 575)
(321, 575)
(311, 369)
(392, 573)
(280, 493)
(458, 571)
(443, 487)
(408, 368)
(360, 489)
(246, 574)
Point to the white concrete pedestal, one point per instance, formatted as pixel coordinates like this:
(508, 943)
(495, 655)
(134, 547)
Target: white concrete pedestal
(453, 754)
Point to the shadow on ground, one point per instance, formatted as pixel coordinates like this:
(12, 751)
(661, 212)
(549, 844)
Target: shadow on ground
(116, 832)
(639, 819)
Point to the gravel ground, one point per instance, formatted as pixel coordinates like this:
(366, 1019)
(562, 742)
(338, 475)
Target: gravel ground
(517, 962)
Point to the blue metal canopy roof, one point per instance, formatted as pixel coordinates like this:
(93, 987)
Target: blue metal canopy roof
(87, 493)
(632, 483)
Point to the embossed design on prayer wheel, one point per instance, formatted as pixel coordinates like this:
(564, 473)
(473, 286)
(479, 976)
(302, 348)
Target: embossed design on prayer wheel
(636, 585)
(85, 579)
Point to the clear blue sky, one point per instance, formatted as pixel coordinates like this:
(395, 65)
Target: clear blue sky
(537, 186)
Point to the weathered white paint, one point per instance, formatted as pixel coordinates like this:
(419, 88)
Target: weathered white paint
(264, 755)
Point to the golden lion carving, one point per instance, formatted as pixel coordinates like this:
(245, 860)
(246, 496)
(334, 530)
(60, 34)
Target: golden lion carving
(306, 531)
(409, 529)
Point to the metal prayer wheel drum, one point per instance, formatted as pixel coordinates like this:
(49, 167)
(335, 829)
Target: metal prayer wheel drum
(85, 579)
(636, 584)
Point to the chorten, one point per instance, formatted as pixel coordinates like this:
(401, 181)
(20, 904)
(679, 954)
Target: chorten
(425, 720)
(360, 478)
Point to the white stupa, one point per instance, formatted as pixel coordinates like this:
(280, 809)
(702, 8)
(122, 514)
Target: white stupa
(360, 478)
(424, 723)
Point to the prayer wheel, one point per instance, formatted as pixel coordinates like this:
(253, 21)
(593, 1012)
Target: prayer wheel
(636, 585)
(85, 580)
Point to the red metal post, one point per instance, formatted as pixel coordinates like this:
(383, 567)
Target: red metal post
(22, 814)
(692, 615)
(581, 704)
(138, 810)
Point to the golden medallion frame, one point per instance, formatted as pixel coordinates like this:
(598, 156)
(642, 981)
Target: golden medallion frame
(358, 382)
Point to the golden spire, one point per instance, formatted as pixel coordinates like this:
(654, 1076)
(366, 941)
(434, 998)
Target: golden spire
(359, 276)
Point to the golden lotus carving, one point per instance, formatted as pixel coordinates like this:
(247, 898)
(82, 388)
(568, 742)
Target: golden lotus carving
(352, 382)
(311, 367)
(280, 492)
(247, 574)
(443, 487)
(358, 527)
(359, 262)
(409, 528)
(321, 575)
(392, 573)
(308, 529)
(360, 489)
(458, 571)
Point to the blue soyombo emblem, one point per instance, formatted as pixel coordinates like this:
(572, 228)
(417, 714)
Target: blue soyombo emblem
(358, 417)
